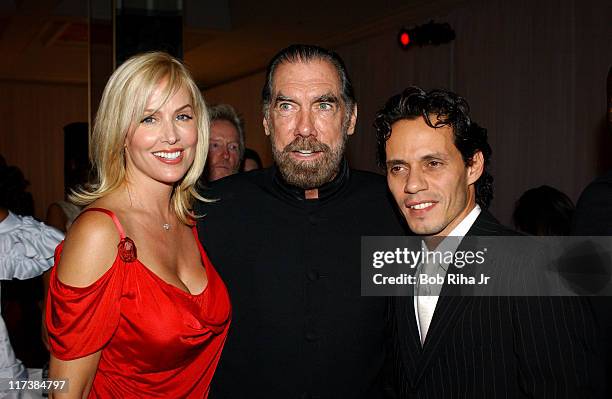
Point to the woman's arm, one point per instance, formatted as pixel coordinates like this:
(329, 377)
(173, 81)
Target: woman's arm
(89, 251)
(78, 374)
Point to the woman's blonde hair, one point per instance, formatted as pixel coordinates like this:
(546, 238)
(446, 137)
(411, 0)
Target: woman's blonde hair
(123, 103)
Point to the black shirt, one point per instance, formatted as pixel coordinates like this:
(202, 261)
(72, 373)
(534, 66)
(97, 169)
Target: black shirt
(300, 327)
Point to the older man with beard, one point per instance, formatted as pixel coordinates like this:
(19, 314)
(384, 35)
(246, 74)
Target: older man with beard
(286, 241)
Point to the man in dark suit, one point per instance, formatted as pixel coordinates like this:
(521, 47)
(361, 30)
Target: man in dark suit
(286, 242)
(451, 346)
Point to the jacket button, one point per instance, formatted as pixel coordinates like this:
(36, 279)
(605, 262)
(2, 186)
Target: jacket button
(312, 275)
(305, 395)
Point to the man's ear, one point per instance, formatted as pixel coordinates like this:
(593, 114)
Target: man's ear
(475, 167)
(352, 121)
(265, 125)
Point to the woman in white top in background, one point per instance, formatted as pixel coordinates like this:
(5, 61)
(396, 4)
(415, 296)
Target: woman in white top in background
(26, 251)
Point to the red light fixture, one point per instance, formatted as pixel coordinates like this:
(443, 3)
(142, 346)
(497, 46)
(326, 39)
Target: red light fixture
(431, 33)
(404, 38)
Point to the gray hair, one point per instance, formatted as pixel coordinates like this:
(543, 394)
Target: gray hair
(306, 53)
(226, 112)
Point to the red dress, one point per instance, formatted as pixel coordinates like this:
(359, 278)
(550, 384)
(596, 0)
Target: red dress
(156, 340)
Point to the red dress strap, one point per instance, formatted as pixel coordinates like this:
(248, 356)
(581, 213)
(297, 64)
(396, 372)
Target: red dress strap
(126, 247)
(113, 216)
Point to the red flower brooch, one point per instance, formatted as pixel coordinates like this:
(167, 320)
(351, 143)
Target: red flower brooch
(127, 250)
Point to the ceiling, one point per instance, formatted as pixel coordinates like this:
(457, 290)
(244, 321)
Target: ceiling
(47, 40)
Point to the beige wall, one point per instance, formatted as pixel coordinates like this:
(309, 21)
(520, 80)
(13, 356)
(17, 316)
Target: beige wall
(245, 95)
(32, 117)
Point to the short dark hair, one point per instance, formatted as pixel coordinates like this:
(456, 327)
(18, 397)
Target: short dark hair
(305, 53)
(446, 109)
(13, 194)
(251, 154)
(544, 211)
(225, 112)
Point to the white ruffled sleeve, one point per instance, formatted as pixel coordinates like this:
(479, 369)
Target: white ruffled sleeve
(27, 247)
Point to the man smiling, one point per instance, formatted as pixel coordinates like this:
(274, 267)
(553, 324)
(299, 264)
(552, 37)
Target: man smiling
(304, 121)
(428, 177)
(436, 160)
(286, 241)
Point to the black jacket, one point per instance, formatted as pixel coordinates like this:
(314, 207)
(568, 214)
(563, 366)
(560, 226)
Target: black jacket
(496, 347)
(300, 327)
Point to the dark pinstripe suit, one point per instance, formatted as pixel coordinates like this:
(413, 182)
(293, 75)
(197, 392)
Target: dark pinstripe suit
(495, 347)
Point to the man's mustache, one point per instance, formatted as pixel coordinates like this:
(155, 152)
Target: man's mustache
(306, 144)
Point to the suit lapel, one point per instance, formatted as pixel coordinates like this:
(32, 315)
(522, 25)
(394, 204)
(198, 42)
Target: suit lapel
(449, 310)
(487, 225)
(451, 306)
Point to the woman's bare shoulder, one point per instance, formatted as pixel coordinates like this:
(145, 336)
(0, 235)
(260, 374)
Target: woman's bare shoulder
(90, 248)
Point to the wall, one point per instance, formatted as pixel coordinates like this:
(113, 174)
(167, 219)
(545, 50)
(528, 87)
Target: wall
(534, 73)
(32, 117)
(244, 94)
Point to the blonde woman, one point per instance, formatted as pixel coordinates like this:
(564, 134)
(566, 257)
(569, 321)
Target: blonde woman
(135, 308)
